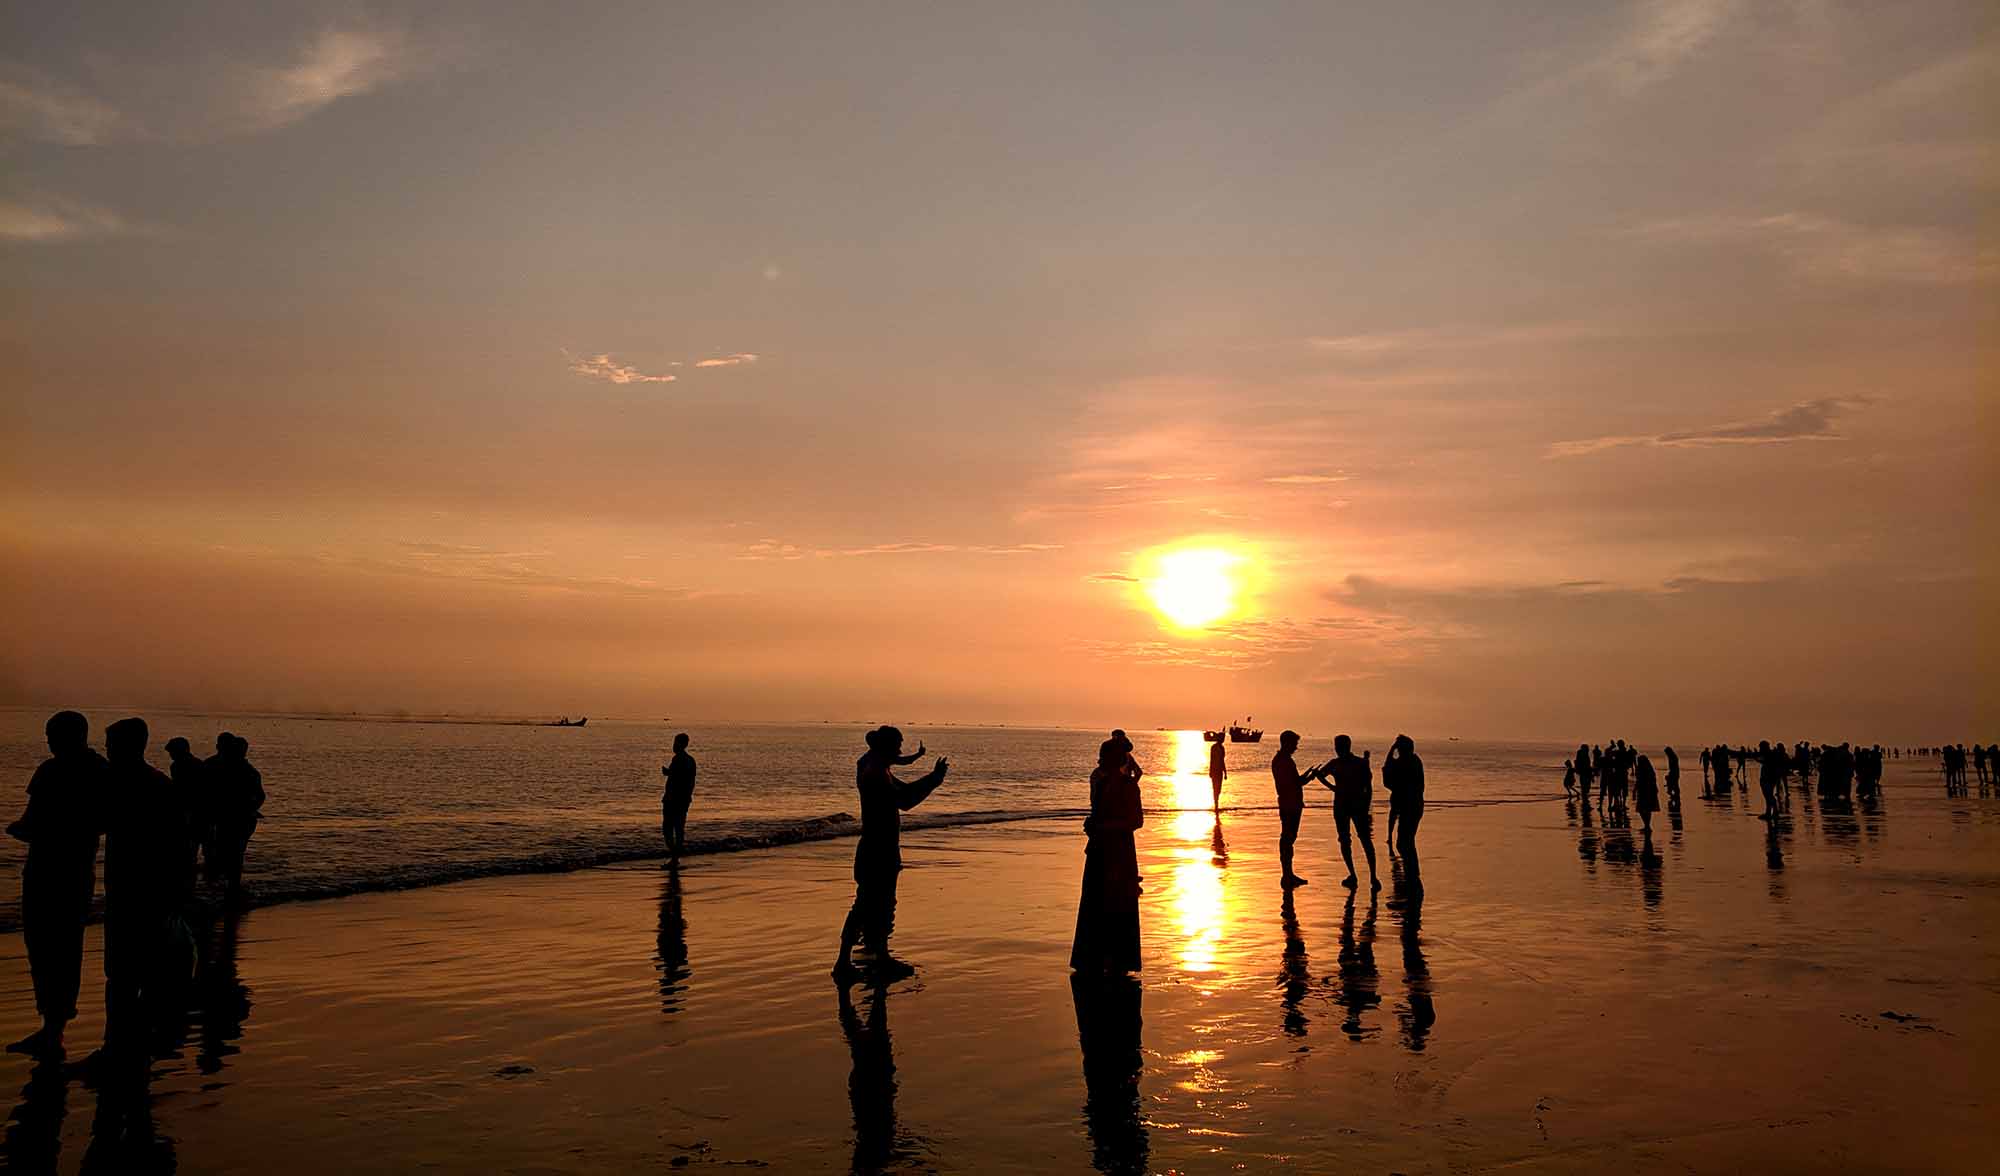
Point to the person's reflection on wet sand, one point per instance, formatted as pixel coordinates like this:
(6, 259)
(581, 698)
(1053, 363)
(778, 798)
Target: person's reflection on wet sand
(1651, 866)
(223, 1000)
(1360, 979)
(1218, 852)
(123, 1138)
(879, 1141)
(672, 957)
(1418, 1012)
(33, 1138)
(1586, 843)
(1107, 1027)
(1294, 974)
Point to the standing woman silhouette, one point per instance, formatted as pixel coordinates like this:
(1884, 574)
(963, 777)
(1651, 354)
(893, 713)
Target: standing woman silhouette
(1107, 915)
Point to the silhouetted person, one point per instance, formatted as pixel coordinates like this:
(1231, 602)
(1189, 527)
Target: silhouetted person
(184, 768)
(1585, 772)
(1291, 804)
(1647, 787)
(878, 858)
(1770, 771)
(1218, 771)
(148, 880)
(1403, 776)
(1108, 1025)
(236, 798)
(1704, 771)
(1107, 914)
(1295, 970)
(59, 878)
(672, 959)
(1721, 759)
(678, 795)
(1353, 788)
(1569, 779)
(1673, 778)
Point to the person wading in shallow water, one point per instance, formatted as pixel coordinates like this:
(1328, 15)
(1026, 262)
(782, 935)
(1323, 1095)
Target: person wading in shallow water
(65, 797)
(1218, 771)
(679, 795)
(878, 857)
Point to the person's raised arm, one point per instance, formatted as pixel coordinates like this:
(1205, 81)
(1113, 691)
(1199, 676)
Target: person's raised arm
(911, 793)
(913, 757)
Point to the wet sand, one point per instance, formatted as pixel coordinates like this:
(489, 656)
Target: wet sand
(1562, 1000)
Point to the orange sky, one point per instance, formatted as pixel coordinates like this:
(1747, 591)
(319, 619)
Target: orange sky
(1580, 368)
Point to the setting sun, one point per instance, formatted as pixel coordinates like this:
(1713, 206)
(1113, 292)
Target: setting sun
(1194, 587)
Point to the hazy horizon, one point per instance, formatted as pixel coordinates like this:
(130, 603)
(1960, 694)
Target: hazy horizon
(1570, 368)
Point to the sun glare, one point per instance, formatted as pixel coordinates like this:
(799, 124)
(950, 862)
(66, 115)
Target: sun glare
(1194, 587)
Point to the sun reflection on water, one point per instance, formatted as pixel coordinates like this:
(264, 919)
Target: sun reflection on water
(1196, 885)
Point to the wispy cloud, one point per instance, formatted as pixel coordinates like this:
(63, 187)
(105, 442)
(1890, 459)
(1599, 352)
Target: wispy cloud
(603, 367)
(773, 549)
(1810, 420)
(1662, 37)
(1307, 479)
(207, 98)
(1824, 248)
(1420, 340)
(51, 220)
(35, 106)
(741, 357)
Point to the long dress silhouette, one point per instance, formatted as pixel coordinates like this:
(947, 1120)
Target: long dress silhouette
(1107, 916)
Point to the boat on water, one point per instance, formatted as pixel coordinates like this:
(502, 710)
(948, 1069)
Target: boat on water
(1235, 733)
(566, 721)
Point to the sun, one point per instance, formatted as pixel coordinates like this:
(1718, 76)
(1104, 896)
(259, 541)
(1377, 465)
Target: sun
(1194, 587)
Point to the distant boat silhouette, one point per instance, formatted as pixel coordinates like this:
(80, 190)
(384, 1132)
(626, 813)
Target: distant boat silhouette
(566, 721)
(1241, 734)
(1213, 736)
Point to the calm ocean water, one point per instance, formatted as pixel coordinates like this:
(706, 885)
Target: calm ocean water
(368, 804)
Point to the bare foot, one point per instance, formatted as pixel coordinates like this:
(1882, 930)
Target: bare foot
(1350, 881)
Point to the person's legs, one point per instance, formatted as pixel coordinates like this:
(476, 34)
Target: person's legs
(52, 931)
(1288, 835)
(1364, 828)
(850, 931)
(1341, 819)
(1408, 846)
(1215, 784)
(1389, 834)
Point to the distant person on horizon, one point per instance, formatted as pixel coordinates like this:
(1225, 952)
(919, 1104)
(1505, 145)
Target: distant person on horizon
(1770, 771)
(1291, 805)
(1403, 776)
(236, 796)
(1218, 771)
(1647, 793)
(878, 856)
(148, 879)
(59, 878)
(1721, 759)
(1107, 914)
(1353, 788)
(678, 796)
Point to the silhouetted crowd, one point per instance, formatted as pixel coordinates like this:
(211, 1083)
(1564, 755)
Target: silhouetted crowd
(158, 830)
(1985, 762)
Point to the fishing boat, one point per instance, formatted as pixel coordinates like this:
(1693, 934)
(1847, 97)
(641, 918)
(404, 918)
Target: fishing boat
(1214, 736)
(1241, 734)
(566, 721)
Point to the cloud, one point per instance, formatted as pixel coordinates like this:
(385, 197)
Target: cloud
(206, 98)
(773, 549)
(1111, 578)
(37, 107)
(51, 220)
(603, 367)
(1824, 248)
(741, 357)
(1663, 36)
(1306, 479)
(1808, 420)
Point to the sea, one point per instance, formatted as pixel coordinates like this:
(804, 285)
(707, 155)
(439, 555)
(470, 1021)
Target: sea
(363, 803)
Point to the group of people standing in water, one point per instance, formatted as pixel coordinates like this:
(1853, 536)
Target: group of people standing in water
(159, 830)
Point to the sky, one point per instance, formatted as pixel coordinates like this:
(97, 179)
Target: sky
(1547, 369)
